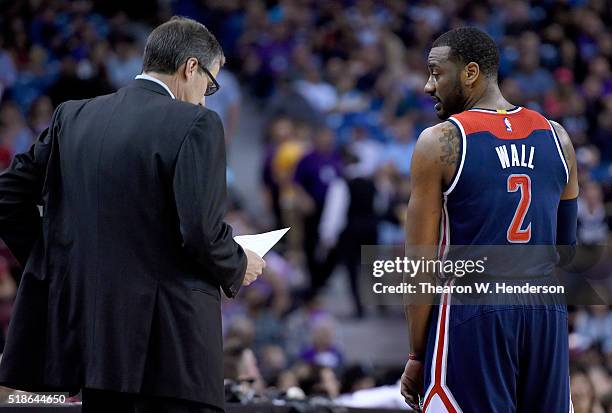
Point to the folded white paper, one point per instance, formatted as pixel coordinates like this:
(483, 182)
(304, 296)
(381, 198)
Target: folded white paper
(260, 244)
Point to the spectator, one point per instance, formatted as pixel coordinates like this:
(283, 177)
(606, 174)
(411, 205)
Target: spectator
(320, 94)
(8, 290)
(349, 220)
(595, 326)
(592, 227)
(70, 86)
(240, 367)
(125, 63)
(40, 114)
(15, 136)
(323, 350)
(320, 381)
(356, 378)
(603, 136)
(399, 151)
(313, 174)
(583, 394)
(266, 323)
(8, 72)
(300, 325)
(532, 79)
(226, 102)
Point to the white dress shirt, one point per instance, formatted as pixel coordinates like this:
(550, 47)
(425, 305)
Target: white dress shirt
(159, 82)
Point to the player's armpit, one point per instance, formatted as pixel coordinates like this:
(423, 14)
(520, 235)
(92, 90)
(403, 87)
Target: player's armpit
(571, 189)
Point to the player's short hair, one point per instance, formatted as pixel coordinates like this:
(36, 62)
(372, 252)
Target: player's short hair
(170, 45)
(469, 44)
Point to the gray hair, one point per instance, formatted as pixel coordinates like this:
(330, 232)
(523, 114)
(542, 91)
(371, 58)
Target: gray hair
(170, 45)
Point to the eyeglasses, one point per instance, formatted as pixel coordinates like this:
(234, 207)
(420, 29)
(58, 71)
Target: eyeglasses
(213, 86)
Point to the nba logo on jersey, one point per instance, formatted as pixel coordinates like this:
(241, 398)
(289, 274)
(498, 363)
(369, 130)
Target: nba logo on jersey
(508, 125)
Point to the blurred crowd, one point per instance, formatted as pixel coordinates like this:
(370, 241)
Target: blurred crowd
(339, 85)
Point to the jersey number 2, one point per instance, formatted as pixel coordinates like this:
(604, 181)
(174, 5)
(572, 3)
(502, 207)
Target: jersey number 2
(516, 234)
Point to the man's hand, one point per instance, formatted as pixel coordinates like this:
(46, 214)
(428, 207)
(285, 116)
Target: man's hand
(255, 266)
(412, 383)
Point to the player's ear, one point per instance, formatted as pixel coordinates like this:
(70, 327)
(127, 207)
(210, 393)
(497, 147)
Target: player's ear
(472, 71)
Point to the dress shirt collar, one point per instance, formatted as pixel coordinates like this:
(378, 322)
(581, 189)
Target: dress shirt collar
(159, 82)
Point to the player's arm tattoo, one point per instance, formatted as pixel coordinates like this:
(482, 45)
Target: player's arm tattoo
(450, 145)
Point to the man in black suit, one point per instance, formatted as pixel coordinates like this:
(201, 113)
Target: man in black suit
(120, 295)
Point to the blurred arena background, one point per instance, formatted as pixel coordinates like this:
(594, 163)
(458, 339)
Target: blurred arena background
(312, 91)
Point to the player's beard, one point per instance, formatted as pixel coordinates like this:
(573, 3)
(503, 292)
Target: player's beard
(455, 101)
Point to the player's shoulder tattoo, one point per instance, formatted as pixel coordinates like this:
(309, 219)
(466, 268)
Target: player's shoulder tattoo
(450, 143)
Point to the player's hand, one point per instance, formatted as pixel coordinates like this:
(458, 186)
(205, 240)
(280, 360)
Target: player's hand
(255, 266)
(412, 383)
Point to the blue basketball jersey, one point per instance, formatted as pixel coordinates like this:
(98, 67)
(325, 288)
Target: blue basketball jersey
(501, 358)
(508, 184)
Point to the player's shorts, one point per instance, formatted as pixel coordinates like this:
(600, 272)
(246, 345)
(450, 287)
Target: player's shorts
(497, 359)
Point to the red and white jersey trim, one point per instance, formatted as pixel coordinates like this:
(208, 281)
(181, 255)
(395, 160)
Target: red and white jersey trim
(438, 397)
(453, 184)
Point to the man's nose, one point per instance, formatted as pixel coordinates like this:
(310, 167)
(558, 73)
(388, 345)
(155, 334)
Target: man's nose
(429, 87)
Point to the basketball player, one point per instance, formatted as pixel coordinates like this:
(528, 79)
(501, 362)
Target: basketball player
(493, 174)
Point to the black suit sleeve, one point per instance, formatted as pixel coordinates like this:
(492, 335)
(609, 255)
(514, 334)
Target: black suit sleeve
(20, 194)
(200, 194)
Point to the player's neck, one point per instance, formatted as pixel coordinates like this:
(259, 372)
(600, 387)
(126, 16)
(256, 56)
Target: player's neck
(490, 98)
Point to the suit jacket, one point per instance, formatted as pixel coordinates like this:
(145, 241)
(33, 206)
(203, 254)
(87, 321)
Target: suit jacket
(122, 277)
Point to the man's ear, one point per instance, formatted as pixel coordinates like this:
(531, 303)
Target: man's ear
(190, 68)
(472, 71)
